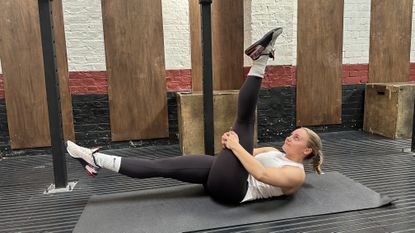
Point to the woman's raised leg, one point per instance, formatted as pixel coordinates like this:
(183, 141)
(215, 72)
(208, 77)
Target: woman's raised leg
(223, 175)
(228, 178)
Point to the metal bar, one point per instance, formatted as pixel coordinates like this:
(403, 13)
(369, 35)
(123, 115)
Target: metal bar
(52, 91)
(205, 6)
(413, 131)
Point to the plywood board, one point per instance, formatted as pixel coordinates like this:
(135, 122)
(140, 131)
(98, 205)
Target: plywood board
(134, 49)
(191, 128)
(227, 44)
(390, 41)
(389, 109)
(381, 110)
(319, 62)
(22, 63)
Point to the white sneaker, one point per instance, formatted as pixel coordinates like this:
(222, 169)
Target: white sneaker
(79, 152)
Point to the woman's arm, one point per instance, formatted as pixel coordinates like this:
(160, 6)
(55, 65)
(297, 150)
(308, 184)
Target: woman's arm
(287, 177)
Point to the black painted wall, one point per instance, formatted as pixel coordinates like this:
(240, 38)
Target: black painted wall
(277, 111)
(276, 119)
(4, 131)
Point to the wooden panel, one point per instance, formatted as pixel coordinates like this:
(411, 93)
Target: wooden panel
(22, 61)
(196, 45)
(24, 82)
(63, 74)
(133, 33)
(189, 106)
(319, 62)
(390, 41)
(227, 44)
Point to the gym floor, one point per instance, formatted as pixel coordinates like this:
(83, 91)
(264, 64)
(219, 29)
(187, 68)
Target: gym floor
(379, 163)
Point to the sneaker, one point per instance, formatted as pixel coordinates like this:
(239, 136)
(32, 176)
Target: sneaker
(82, 154)
(264, 46)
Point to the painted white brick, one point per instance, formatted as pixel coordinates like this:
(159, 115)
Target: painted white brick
(83, 29)
(356, 31)
(413, 35)
(268, 14)
(84, 35)
(294, 33)
(85, 43)
(247, 28)
(176, 30)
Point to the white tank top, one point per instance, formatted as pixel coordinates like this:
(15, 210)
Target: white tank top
(258, 189)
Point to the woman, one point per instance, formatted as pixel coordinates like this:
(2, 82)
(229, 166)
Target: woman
(239, 172)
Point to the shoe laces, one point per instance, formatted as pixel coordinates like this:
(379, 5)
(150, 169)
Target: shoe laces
(269, 54)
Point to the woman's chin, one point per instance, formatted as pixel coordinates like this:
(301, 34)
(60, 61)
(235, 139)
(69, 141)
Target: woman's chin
(283, 148)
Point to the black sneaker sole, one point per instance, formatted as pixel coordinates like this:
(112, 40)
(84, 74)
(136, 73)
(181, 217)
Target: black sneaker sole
(255, 50)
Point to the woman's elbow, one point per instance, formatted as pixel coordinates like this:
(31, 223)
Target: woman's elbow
(259, 175)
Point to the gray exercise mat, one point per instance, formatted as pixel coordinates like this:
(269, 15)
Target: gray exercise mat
(187, 207)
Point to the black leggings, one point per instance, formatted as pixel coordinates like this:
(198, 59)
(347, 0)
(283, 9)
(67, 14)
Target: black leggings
(223, 176)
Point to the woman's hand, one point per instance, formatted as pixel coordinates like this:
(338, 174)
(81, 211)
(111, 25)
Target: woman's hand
(224, 137)
(231, 140)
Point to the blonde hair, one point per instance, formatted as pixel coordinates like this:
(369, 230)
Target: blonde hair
(317, 155)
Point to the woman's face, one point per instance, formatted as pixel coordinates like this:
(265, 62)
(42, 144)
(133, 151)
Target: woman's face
(297, 143)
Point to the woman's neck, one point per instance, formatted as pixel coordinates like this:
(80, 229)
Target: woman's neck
(295, 158)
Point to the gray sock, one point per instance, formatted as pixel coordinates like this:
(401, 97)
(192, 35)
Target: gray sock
(109, 162)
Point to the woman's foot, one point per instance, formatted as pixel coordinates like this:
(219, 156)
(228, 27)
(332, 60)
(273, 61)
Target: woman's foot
(90, 171)
(264, 46)
(84, 156)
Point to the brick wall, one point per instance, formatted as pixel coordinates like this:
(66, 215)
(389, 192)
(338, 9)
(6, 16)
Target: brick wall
(178, 80)
(1, 86)
(412, 72)
(276, 118)
(267, 14)
(92, 122)
(88, 81)
(85, 43)
(356, 32)
(95, 82)
(276, 112)
(355, 74)
(4, 131)
(84, 35)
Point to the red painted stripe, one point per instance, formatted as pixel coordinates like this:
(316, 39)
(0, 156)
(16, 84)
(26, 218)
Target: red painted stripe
(95, 82)
(177, 80)
(355, 73)
(92, 82)
(1, 86)
(412, 72)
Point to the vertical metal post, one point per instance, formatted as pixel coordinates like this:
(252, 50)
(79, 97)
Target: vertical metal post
(413, 131)
(205, 6)
(52, 91)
